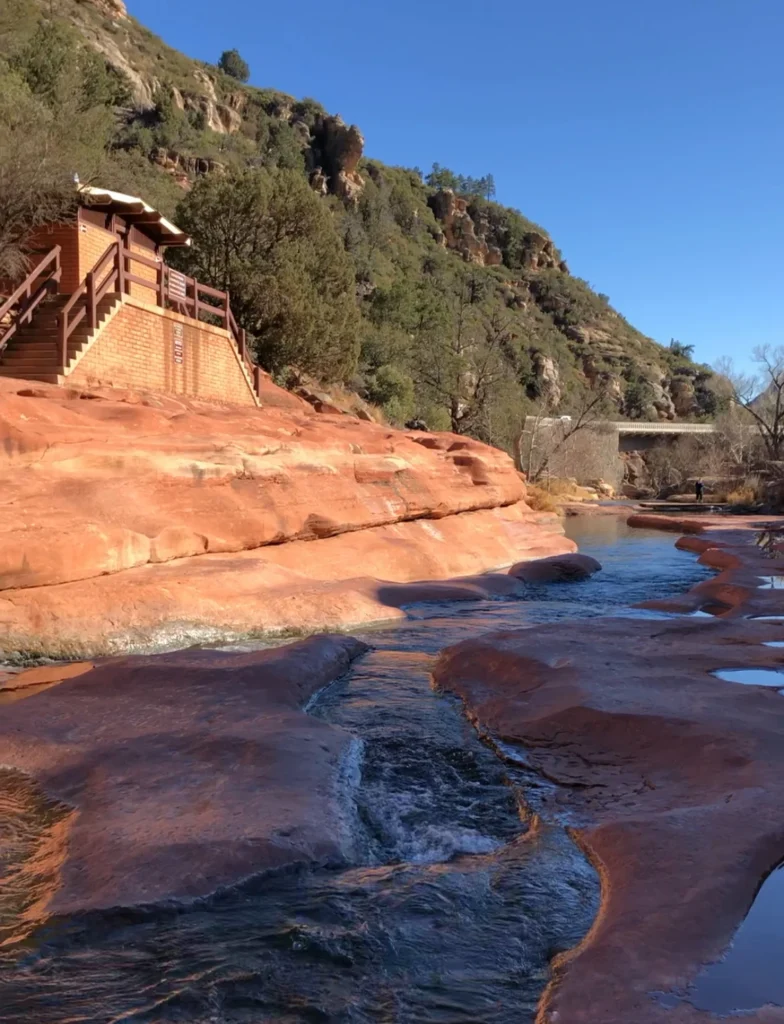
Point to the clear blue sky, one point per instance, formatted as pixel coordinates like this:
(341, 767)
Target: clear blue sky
(645, 135)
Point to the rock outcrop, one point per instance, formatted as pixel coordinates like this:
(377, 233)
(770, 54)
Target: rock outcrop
(221, 114)
(111, 8)
(548, 379)
(556, 569)
(460, 232)
(184, 168)
(130, 520)
(337, 149)
(540, 253)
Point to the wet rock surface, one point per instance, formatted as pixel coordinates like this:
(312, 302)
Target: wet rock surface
(669, 776)
(419, 885)
(176, 774)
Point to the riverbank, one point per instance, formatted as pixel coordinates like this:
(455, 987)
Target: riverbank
(668, 776)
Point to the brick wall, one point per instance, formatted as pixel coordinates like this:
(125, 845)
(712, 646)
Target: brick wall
(146, 347)
(93, 243)
(82, 245)
(138, 291)
(67, 237)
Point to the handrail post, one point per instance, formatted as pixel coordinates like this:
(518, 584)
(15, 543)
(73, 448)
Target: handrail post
(120, 259)
(92, 306)
(63, 327)
(227, 310)
(162, 285)
(257, 379)
(195, 299)
(243, 343)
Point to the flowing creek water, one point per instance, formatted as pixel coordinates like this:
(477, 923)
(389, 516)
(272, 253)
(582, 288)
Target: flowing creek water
(448, 908)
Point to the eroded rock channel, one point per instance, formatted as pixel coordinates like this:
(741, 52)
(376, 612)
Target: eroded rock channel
(429, 891)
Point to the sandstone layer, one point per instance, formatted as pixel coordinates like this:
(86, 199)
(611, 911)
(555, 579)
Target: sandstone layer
(214, 774)
(668, 776)
(128, 519)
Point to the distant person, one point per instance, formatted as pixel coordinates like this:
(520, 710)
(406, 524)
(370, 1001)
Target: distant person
(699, 489)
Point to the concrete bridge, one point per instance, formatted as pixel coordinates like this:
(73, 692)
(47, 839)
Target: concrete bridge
(633, 435)
(639, 435)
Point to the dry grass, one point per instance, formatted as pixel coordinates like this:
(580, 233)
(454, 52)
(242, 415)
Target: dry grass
(749, 492)
(540, 500)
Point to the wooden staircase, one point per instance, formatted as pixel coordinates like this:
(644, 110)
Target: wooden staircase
(34, 351)
(44, 333)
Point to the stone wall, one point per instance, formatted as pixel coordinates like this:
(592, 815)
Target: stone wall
(146, 347)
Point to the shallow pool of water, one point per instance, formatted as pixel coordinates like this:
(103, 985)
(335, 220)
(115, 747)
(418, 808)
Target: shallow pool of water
(771, 583)
(750, 974)
(446, 910)
(752, 676)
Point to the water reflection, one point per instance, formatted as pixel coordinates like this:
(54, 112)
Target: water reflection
(752, 676)
(750, 974)
(771, 583)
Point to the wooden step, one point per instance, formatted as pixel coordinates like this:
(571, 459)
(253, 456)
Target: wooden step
(25, 359)
(31, 359)
(30, 371)
(43, 378)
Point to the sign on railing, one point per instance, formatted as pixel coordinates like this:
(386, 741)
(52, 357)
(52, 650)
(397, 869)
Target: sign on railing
(178, 285)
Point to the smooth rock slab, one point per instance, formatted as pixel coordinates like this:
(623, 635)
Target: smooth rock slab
(185, 772)
(566, 568)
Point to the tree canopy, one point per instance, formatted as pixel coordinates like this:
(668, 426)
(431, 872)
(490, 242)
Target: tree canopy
(442, 177)
(268, 239)
(231, 63)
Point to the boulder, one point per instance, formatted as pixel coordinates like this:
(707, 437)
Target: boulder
(556, 569)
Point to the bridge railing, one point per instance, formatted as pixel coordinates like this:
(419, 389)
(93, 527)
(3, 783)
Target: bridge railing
(659, 427)
(623, 426)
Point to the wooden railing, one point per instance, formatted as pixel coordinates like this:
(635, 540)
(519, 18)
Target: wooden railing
(19, 307)
(105, 277)
(115, 271)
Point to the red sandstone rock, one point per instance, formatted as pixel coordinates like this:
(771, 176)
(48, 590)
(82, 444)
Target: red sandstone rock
(143, 513)
(362, 577)
(176, 774)
(556, 569)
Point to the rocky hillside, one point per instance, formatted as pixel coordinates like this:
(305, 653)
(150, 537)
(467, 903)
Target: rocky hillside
(439, 276)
